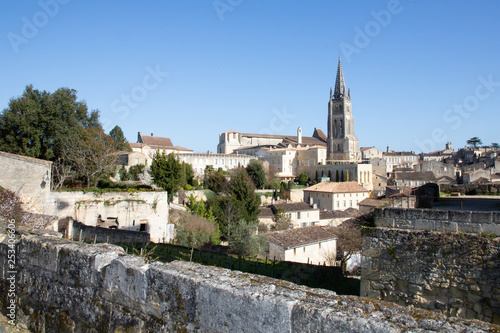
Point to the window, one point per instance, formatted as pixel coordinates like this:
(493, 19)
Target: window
(345, 203)
(304, 249)
(350, 203)
(294, 251)
(320, 245)
(298, 215)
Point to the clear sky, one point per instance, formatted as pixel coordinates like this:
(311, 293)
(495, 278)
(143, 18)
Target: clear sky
(420, 72)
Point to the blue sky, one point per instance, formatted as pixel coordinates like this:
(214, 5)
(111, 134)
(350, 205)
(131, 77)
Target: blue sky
(420, 72)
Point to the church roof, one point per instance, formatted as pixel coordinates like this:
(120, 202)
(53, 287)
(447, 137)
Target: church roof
(339, 91)
(318, 134)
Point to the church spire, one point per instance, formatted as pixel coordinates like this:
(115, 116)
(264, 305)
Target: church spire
(339, 83)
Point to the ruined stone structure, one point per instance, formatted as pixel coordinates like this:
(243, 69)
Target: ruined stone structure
(66, 286)
(342, 143)
(30, 178)
(442, 260)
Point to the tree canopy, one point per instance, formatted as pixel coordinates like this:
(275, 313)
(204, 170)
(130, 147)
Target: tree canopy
(35, 123)
(121, 142)
(257, 173)
(474, 142)
(165, 171)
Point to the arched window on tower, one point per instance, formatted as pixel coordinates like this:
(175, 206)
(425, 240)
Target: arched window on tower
(335, 128)
(341, 128)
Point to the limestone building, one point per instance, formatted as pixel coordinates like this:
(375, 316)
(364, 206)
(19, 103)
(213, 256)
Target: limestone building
(342, 143)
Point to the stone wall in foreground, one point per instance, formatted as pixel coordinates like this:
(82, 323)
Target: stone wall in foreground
(65, 286)
(447, 261)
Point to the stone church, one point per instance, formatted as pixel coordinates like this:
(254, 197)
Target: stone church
(342, 143)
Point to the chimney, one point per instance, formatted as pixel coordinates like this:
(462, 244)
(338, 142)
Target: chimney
(315, 206)
(152, 134)
(311, 201)
(139, 137)
(299, 135)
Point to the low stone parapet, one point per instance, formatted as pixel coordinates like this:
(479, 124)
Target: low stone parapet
(73, 287)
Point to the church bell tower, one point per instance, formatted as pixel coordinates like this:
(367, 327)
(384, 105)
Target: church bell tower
(342, 143)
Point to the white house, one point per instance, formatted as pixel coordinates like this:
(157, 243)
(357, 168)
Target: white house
(316, 245)
(336, 196)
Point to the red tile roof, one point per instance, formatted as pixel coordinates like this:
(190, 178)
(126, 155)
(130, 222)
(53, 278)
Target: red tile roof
(335, 187)
(156, 141)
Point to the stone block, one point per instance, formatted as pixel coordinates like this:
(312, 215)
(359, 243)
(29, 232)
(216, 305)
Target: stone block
(432, 214)
(446, 227)
(469, 227)
(236, 302)
(425, 225)
(460, 216)
(395, 213)
(481, 217)
(126, 278)
(172, 291)
(492, 229)
(413, 214)
(378, 213)
(371, 252)
(82, 263)
(404, 224)
(495, 217)
(384, 223)
(370, 274)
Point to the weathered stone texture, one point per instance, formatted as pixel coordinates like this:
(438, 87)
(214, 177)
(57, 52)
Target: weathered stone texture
(72, 287)
(457, 274)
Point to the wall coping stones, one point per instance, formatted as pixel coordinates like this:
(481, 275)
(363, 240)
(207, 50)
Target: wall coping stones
(438, 220)
(129, 293)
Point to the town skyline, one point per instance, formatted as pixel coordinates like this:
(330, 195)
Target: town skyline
(420, 74)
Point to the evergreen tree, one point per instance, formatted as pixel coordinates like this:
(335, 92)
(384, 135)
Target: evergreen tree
(121, 142)
(165, 171)
(337, 176)
(341, 175)
(242, 191)
(257, 173)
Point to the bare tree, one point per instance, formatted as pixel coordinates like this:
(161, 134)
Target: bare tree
(281, 220)
(91, 153)
(60, 172)
(349, 240)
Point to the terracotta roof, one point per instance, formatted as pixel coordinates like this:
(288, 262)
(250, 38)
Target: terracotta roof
(301, 236)
(334, 187)
(155, 141)
(319, 134)
(294, 206)
(266, 212)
